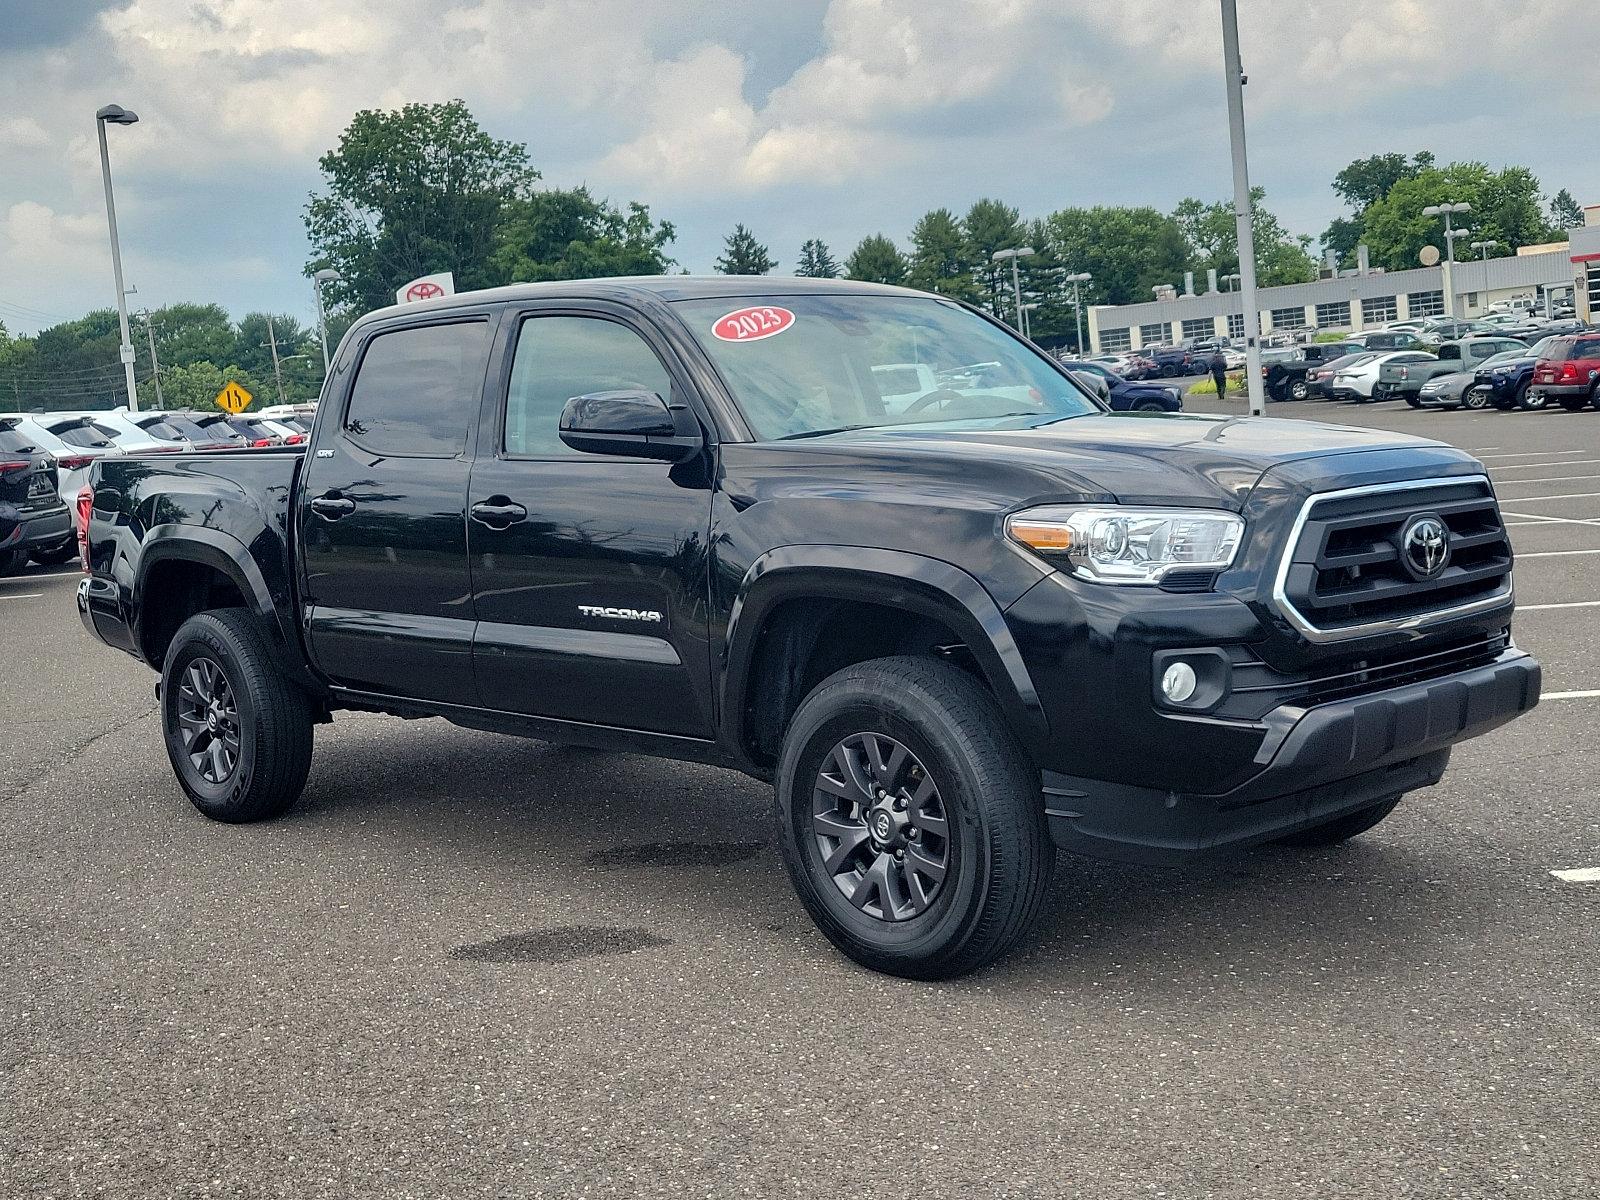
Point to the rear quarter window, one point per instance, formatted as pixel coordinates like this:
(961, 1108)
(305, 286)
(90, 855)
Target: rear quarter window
(13, 441)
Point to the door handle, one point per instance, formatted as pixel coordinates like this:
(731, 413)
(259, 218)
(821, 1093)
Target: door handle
(497, 512)
(331, 507)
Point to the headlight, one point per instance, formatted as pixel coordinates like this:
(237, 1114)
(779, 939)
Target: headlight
(1128, 545)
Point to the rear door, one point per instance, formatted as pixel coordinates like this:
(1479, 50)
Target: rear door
(589, 571)
(382, 510)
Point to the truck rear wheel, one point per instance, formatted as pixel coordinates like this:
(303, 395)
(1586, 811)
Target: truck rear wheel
(238, 733)
(1342, 829)
(910, 820)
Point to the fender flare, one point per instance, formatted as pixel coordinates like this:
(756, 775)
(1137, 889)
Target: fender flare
(926, 586)
(229, 556)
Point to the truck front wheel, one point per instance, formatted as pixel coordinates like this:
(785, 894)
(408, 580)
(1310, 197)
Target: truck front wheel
(910, 820)
(1342, 829)
(238, 733)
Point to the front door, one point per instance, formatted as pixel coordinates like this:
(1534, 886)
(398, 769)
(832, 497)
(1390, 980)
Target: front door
(382, 516)
(589, 571)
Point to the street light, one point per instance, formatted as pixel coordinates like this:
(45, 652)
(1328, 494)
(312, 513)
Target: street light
(115, 114)
(326, 275)
(1081, 277)
(1448, 211)
(1484, 247)
(1026, 309)
(1232, 281)
(1016, 287)
(1243, 206)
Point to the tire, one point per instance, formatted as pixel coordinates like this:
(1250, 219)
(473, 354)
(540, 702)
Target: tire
(1341, 829)
(12, 561)
(1527, 401)
(260, 771)
(1414, 401)
(1149, 406)
(1574, 403)
(56, 555)
(1594, 396)
(995, 854)
(1298, 390)
(1475, 398)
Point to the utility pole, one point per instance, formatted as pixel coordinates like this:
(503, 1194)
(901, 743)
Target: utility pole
(117, 115)
(1243, 207)
(277, 370)
(155, 367)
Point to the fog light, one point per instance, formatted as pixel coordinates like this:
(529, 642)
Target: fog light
(1178, 682)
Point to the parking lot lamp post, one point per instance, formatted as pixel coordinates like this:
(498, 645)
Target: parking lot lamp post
(1448, 210)
(1027, 330)
(1016, 285)
(115, 114)
(1232, 281)
(1243, 207)
(1484, 247)
(326, 275)
(1076, 281)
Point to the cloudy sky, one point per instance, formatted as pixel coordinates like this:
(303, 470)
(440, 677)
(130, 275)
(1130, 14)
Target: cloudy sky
(801, 118)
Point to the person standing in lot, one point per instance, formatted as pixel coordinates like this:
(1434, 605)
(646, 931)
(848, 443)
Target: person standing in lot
(1219, 373)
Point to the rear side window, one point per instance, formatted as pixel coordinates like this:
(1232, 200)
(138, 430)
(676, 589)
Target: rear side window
(558, 358)
(13, 440)
(1575, 349)
(417, 390)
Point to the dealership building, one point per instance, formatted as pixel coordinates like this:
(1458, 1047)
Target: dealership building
(1353, 300)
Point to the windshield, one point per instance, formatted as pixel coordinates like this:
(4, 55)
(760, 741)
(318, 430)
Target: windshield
(1505, 356)
(804, 365)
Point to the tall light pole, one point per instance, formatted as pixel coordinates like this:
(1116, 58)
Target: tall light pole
(1449, 210)
(1027, 330)
(1243, 207)
(1232, 281)
(326, 275)
(115, 114)
(1484, 247)
(1081, 277)
(1016, 285)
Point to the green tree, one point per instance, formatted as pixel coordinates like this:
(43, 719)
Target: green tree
(571, 235)
(816, 261)
(990, 226)
(299, 356)
(408, 193)
(1506, 207)
(876, 259)
(196, 385)
(1362, 184)
(743, 255)
(1127, 250)
(1565, 211)
(1212, 233)
(942, 258)
(187, 333)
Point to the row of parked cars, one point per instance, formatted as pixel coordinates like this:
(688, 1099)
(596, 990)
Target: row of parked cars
(45, 458)
(1475, 370)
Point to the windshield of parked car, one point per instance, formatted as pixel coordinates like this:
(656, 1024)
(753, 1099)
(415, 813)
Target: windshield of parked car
(807, 365)
(1505, 356)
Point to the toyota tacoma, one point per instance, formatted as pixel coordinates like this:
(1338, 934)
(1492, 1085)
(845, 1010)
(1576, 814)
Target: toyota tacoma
(674, 516)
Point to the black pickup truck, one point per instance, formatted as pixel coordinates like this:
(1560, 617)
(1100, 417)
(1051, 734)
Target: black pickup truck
(676, 516)
(1285, 379)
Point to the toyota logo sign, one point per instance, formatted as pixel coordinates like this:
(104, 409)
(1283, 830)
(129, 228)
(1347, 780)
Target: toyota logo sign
(1425, 546)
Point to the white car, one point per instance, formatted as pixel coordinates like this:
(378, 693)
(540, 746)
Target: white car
(74, 442)
(899, 385)
(159, 431)
(1356, 381)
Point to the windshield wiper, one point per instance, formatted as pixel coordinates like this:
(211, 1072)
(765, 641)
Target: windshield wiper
(813, 433)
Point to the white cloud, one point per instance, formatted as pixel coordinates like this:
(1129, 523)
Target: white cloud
(22, 133)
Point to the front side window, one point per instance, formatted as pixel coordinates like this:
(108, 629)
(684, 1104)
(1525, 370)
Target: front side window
(417, 390)
(558, 358)
(813, 366)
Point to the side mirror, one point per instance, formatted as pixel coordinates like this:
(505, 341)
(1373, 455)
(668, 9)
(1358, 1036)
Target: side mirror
(631, 424)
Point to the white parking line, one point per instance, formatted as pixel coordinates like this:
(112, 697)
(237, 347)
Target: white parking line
(1546, 478)
(20, 595)
(1533, 454)
(1568, 462)
(1579, 875)
(1541, 519)
(1555, 554)
(1562, 496)
(1522, 608)
(1569, 695)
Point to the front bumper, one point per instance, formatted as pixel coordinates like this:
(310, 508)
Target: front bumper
(1315, 764)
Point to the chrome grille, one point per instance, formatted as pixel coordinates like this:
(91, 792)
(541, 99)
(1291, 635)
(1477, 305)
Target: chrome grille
(1346, 572)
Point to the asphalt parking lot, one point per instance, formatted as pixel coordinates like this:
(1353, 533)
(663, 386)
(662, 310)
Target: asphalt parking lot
(472, 965)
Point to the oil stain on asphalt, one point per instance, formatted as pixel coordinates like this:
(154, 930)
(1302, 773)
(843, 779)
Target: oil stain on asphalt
(564, 944)
(675, 854)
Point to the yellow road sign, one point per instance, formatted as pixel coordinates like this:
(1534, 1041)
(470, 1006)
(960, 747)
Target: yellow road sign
(234, 399)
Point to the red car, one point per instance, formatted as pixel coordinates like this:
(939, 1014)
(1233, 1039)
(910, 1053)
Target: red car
(1569, 372)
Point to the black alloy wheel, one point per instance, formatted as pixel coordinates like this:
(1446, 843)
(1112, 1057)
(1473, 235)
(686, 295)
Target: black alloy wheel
(882, 834)
(208, 721)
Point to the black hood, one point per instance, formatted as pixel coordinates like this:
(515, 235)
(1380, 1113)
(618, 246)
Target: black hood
(1145, 458)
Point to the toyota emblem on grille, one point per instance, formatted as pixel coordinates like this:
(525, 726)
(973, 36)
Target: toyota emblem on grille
(1425, 545)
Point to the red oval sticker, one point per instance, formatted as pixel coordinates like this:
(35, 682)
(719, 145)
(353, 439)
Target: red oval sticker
(752, 324)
